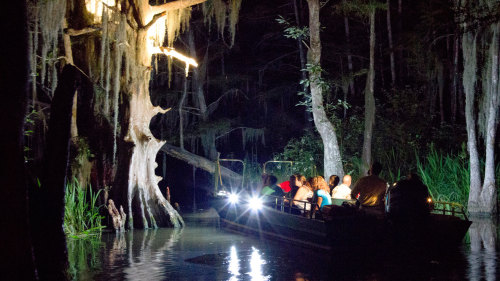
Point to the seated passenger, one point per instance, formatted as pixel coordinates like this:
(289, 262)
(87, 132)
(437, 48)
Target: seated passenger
(296, 181)
(333, 182)
(321, 191)
(271, 188)
(304, 193)
(408, 199)
(343, 191)
(370, 190)
(285, 186)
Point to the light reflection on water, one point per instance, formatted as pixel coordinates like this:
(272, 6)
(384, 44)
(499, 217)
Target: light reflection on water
(208, 253)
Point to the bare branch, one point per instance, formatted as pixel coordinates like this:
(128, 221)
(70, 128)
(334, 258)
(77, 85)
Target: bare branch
(154, 19)
(78, 32)
(175, 5)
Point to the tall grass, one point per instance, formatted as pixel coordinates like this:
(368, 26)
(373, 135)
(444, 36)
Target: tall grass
(81, 214)
(447, 176)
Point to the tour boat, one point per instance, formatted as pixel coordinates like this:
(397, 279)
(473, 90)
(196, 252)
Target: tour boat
(345, 227)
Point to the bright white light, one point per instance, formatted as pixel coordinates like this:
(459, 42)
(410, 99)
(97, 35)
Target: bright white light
(255, 203)
(234, 264)
(233, 198)
(256, 263)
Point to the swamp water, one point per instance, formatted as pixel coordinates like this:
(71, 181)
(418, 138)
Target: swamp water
(207, 252)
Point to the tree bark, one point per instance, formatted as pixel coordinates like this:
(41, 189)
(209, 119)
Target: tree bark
(440, 80)
(489, 192)
(16, 246)
(48, 199)
(198, 83)
(455, 78)
(349, 55)
(391, 45)
(369, 100)
(469, 82)
(332, 157)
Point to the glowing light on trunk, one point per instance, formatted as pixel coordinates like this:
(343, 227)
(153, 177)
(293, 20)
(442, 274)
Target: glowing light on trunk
(173, 53)
(95, 7)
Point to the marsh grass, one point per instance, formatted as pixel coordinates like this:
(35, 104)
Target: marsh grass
(81, 213)
(446, 176)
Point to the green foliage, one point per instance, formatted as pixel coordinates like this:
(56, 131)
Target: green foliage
(294, 32)
(360, 8)
(306, 153)
(446, 176)
(81, 214)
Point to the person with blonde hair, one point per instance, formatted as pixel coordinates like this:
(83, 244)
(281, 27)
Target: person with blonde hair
(304, 193)
(321, 191)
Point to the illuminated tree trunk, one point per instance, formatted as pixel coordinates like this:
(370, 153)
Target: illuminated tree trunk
(482, 197)
(332, 157)
(469, 82)
(146, 206)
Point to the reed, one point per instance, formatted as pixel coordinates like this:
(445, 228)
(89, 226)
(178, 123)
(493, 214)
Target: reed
(446, 176)
(81, 214)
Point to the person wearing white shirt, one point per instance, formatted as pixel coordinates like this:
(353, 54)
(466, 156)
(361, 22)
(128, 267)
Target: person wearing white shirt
(343, 191)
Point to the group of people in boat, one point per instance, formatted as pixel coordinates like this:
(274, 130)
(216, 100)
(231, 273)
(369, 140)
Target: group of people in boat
(369, 191)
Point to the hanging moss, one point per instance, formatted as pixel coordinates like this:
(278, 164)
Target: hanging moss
(177, 21)
(220, 10)
(51, 15)
(253, 136)
(234, 12)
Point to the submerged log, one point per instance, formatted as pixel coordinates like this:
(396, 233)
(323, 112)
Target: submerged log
(199, 162)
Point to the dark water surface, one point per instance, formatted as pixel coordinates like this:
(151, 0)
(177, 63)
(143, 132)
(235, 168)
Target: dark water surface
(211, 253)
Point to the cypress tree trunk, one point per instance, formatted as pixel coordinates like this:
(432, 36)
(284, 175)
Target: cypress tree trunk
(48, 199)
(16, 246)
(332, 158)
(369, 100)
(349, 55)
(391, 45)
(469, 82)
(489, 191)
(198, 82)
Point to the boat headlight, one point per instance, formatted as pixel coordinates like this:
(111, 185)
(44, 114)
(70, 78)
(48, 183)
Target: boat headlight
(255, 203)
(233, 198)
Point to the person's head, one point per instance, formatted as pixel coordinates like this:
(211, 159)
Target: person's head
(414, 177)
(265, 179)
(333, 181)
(272, 180)
(347, 180)
(375, 169)
(297, 180)
(318, 182)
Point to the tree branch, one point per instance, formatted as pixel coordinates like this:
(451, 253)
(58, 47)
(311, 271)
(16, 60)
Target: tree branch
(136, 13)
(175, 5)
(78, 32)
(154, 19)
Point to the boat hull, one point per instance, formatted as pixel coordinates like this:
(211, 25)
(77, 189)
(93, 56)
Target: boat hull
(357, 229)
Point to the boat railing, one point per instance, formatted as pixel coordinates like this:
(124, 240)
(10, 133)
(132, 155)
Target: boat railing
(287, 205)
(449, 208)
